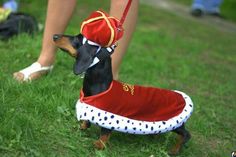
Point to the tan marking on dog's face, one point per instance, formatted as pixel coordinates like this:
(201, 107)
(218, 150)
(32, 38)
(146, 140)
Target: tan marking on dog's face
(65, 44)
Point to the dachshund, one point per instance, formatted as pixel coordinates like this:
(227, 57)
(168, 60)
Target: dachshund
(169, 111)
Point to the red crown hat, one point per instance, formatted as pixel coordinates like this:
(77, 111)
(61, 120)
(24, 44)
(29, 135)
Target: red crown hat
(102, 29)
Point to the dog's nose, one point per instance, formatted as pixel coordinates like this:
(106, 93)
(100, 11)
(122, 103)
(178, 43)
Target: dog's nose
(56, 37)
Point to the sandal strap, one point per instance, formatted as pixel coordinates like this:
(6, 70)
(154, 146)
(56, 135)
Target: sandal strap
(35, 67)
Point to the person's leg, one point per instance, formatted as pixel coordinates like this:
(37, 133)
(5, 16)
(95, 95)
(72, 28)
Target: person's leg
(197, 8)
(116, 10)
(58, 16)
(213, 6)
(59, 13)
(198, 4)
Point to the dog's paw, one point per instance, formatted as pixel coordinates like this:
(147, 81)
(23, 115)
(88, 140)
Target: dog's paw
(174, 151)
(99, 144)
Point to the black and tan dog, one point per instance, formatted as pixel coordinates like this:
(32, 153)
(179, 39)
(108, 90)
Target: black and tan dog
(95, 63)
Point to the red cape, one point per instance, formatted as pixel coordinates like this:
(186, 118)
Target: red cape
(137, 102)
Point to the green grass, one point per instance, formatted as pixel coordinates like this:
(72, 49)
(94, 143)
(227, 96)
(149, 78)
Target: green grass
(38, 119)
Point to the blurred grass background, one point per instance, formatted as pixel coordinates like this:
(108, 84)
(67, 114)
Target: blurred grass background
(38, 118)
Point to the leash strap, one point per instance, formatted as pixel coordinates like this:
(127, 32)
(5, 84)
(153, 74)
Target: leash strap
(125, 13)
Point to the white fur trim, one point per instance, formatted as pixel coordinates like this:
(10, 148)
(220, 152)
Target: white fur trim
(119, 123)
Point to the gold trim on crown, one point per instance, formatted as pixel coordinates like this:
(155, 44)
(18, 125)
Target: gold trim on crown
(103, 16)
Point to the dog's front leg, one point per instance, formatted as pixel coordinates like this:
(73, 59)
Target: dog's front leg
(85, 124)
(104, 137)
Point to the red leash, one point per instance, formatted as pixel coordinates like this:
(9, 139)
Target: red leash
(125, 13)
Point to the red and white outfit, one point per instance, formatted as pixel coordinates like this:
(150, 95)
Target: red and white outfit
(124, 107)
(135, 109)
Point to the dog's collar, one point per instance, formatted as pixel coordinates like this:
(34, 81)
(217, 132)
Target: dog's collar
(102, 52)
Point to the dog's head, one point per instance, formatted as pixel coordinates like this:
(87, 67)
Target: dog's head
(100, 34)
(76, 47)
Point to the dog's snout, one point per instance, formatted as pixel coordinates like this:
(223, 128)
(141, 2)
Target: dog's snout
(56, 37)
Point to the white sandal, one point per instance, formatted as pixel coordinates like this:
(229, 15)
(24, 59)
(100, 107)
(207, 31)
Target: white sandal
(34, 68)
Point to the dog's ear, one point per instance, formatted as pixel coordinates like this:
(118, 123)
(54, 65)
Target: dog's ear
(84, 58)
